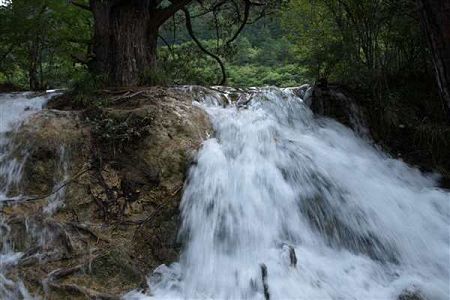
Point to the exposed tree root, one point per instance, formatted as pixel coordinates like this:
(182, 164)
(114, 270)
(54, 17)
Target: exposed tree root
(79, 290)
(62, 273)
(14, 201)
(86, 229)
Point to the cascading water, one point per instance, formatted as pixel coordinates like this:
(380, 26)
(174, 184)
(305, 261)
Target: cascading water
(283, 205)
(56, 198)
(14, 109)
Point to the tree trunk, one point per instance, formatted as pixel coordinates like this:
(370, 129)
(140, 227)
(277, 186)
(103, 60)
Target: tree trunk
(125, 40)
(33, 65)
(435, 17)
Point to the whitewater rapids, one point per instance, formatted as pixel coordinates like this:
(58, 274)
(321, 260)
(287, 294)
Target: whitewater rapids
(280, 204)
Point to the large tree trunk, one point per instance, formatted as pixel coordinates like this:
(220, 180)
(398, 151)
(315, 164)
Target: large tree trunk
(125, 40)
(435, 16)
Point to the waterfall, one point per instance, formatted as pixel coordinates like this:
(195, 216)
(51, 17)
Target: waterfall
(14, 110)
(281, 204)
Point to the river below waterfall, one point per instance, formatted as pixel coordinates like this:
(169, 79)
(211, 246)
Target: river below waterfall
(280, 204)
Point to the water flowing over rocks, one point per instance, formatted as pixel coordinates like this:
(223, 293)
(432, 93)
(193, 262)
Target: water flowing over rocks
(336, 103)
(397, 130)
(212, 193)
(277, 182)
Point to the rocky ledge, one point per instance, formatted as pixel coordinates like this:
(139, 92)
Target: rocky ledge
(100, 191)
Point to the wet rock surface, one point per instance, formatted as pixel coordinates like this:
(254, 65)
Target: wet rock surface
(418, 141)
(411, 295)
(119, 216)
(336, 103)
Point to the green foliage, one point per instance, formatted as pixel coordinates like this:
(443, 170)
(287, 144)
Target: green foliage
(86, 83)
(84, 89)
(355, 41)
(156, 76)
(261, 55)
(187, 64)
(38, 40)
(374, 47)
(45, 42)
(255, 75)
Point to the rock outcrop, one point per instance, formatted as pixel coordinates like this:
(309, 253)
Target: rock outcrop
(101, 189)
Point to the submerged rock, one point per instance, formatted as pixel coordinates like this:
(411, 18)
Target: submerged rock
(119, 214)
(411, 295)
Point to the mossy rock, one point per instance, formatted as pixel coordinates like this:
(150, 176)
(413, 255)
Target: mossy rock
(156, 243)
(139, 231)
(39, 171)
(115, 266)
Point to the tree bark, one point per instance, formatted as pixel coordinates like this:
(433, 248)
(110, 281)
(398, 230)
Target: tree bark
(125, 40)
(435, 17)
(126, 36)
(34, 56)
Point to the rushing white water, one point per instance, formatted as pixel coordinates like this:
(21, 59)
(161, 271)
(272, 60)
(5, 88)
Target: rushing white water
(14, 109)
(284, 205)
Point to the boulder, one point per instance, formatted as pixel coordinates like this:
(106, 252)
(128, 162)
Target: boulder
(338, 104)
(120, 176)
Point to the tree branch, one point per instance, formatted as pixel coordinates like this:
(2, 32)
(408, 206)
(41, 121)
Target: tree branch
(8, 51)
(167, 44)
(80, 5)
(165, 13)
(64, 184)
(209, 10)
(244, 22)
(199, 44)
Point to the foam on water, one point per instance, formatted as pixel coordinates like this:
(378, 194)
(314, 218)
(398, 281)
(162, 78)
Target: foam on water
(305, 200)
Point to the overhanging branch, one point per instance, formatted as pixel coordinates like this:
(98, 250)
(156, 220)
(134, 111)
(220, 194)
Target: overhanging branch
(244, 22)
(165, 13)
(199, 44)
(80, 5)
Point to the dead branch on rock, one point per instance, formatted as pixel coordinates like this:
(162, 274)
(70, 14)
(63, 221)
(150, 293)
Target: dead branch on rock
(63, 272)
(36, 259)
(177, 190)
(62, 234)
(114, 198)
(86, 229)
(28, 199)
(126, 96)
